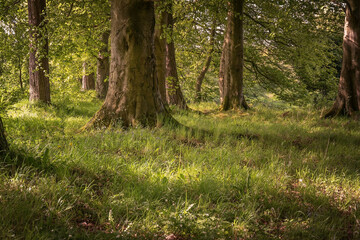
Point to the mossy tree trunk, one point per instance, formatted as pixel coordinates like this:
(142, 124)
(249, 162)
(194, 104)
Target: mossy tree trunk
(103, 67)
(348, 98)
(160, 50)
(232, 61)
(133, 97)
(88, 79)
(38, 59)
(204, 70)
(174, 94)
(3, 143)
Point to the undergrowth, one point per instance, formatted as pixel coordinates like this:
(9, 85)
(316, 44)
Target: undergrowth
(297, 178)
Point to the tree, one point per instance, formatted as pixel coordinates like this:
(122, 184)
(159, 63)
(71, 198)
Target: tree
(133, 97)
(103, 67)
(348, 99)
(232, 59)
(173, 91)
(88, 79)
(38, 60)
(206, 66)
(3, 143)
(160, 49)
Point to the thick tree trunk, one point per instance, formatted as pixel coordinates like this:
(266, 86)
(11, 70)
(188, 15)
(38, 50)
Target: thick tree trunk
(3, 143)
(38, 60)
(348, 99)
(200, 78)
(233, 62)
(103, 66)
(173, 91)
(133, 97)
(160, 51)
(88, 79)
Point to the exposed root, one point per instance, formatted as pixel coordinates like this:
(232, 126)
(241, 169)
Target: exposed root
(340, 107)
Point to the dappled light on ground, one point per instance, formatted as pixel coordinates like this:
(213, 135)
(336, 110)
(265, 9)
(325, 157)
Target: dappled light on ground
(297, 179)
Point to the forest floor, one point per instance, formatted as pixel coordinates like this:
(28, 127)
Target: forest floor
(260, 174)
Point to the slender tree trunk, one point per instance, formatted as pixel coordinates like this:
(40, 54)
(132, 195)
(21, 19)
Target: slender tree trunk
(160, 51)
(20, 75)
(88, 79)
(206, 66)
(223, 63)
(38, 61)
(173, 91)
(133, 96)
(103, 66)
(233, 65)
(348, 99)
(3, 143)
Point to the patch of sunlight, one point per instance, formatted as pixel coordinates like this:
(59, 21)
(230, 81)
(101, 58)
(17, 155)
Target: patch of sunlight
(221, 115)
(270, 95)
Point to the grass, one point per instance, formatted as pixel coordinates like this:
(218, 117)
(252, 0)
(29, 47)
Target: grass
(296, 178)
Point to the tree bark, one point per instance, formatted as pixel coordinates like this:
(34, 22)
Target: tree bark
(160, 51)
(3, 143)
(174, 94)
(200, 78)
(348, 98)
(103, 67)
(20, 75)
(133, 97)
(232, 65)
(88, 79)
(223, 62)
(38, 60)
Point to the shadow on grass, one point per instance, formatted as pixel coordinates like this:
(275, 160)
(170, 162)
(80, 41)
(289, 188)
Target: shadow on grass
(334, 148)
(77, 109)
(290, 212)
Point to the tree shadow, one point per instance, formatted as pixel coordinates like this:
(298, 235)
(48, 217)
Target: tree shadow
(289, 212)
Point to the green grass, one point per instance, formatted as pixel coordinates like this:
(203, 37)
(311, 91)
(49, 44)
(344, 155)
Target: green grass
(295, 177)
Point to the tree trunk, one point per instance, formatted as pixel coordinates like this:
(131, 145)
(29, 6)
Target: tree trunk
(38, 60)
(88, 79)
(3, 143)
(206, 66)
(348, 99)
(133, 97)
(233, 59)
(173, 91)
(160, 51)
(103, 66)
(20, 75)
(222, 62)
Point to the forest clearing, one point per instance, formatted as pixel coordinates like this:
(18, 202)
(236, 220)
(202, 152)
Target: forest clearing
(176, 120)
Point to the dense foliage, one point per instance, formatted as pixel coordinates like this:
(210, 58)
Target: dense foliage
(292, 48)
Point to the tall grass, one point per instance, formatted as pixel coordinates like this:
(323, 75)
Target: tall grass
(261, 174)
